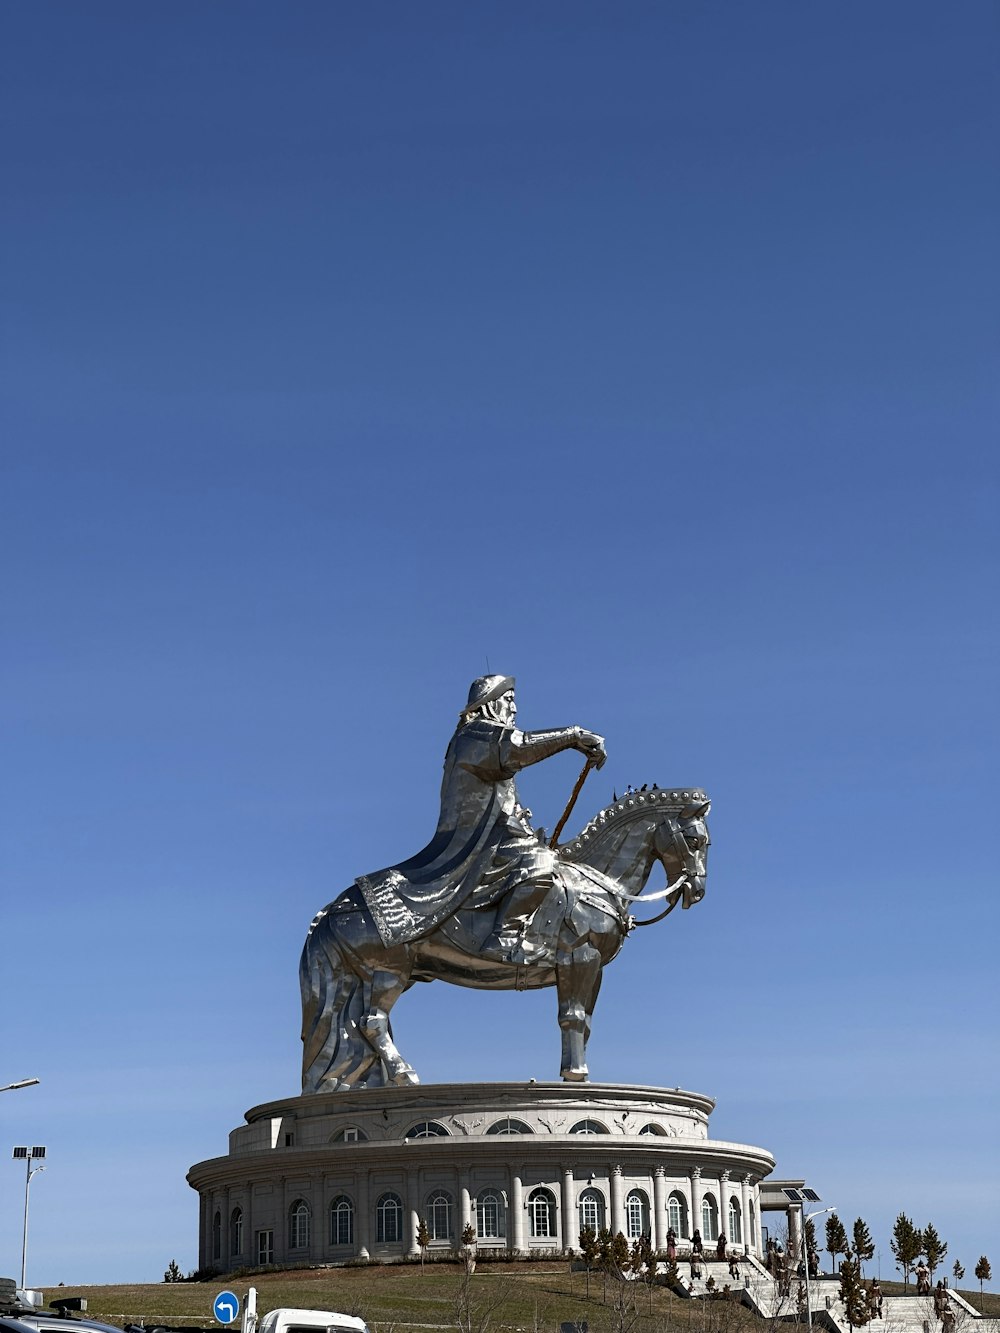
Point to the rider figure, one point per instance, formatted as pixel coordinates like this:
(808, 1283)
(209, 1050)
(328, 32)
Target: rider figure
(484, 848)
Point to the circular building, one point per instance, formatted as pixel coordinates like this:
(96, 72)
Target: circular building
(328, 1178)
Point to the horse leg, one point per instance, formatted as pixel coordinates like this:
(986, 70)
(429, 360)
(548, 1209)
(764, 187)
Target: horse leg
(589, 1001)
(578, 979)
(384, 990)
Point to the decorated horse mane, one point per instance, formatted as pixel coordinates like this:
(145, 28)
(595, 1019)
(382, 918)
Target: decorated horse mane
(630, 807)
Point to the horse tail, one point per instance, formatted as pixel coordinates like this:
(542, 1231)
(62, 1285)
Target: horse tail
(334, 1049)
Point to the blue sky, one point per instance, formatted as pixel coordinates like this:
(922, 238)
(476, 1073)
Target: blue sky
(645, 352)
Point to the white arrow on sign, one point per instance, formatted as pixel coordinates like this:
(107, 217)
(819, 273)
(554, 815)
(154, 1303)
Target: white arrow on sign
(226, 1307)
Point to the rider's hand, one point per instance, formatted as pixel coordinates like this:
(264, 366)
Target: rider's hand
(592, 746)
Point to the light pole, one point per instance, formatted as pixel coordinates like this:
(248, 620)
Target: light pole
(806, 1218)
(27, 1155)
(22, 1083)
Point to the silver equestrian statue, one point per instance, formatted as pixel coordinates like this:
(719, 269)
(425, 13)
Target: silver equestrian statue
(488, 903)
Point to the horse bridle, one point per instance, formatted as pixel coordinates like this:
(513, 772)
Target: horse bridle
(674, 892)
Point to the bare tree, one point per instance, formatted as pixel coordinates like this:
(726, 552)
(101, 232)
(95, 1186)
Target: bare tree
(646, 1265)
(477, 1305)
(777, 1304)
(360, 1299)
(624, 1307)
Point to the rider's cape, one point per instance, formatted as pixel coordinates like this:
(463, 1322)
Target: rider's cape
(478, 814)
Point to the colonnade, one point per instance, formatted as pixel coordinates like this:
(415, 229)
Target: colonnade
(514, 1181)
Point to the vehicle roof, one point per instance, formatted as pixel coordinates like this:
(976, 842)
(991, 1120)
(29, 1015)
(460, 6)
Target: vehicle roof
(44, 1321)
(317, 1318)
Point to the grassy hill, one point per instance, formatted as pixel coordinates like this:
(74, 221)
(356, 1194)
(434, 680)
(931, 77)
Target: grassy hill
(535, 1298)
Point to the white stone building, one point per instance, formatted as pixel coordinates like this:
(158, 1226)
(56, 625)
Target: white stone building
(348, 1175)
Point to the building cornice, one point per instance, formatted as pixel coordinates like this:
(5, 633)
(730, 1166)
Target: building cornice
(424, 1097)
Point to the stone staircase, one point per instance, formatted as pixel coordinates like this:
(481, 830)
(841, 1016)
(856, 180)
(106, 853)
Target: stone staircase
(914, 1314)
(759, 1290)
(754, 1280)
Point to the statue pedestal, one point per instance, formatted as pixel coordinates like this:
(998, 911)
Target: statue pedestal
(330, 1178)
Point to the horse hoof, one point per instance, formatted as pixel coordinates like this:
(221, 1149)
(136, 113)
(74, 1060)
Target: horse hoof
(581, 1075)
(405, 1077)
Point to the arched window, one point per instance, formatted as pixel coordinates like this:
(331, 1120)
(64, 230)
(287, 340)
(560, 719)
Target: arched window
(509, 1126)
(298, 1225)
(491, 1219)
(709, 1218)
(439, 1216)
(753, 1224)
(653, 1129)
(236, 1231)
(341, 1221)
(349, 1134)
(427, 1129)
(735, 1221)
(636, 1215)
(217, 1235)
(588, 1127)
(592, 1209)
(389, 1220)
(677, 1214)
(542, 1215)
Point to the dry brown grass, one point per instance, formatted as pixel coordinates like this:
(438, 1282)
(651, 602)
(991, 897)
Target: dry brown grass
(537, 1298)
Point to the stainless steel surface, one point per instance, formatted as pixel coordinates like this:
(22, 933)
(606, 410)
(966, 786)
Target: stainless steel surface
(487, 903)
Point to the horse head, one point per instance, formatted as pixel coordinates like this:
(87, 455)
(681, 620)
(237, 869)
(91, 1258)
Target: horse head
(682, 845)
(641, 828)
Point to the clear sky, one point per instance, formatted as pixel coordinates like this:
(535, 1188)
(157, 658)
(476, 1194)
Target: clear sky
(644, 351)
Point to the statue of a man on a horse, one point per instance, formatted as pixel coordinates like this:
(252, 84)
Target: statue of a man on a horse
(487, 903)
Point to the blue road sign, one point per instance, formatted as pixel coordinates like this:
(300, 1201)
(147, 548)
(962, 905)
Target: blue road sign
(226, 1307)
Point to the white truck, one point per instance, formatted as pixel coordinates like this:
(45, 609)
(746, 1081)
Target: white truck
(297, 1321)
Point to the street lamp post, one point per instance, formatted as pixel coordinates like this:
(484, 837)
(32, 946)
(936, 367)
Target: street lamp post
(27, 1155)
(21, 1083)
(805, 1251)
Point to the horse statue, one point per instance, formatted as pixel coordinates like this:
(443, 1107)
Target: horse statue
(354, 966)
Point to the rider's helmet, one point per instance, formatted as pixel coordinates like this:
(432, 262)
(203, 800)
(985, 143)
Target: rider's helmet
(486, 689)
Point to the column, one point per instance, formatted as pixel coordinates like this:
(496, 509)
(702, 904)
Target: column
(745, 1210)
(464, 1203)
(516, 1213)
(617, 1201)
(570, 1216)
(694, 1181)
(724, 1205)
(412, 1213)
(658, 1230)
(363, 1215)
(794, 1234)
(249, 1239)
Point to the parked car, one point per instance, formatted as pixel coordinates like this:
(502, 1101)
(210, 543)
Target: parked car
(17, 1315)
(50, 1321)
